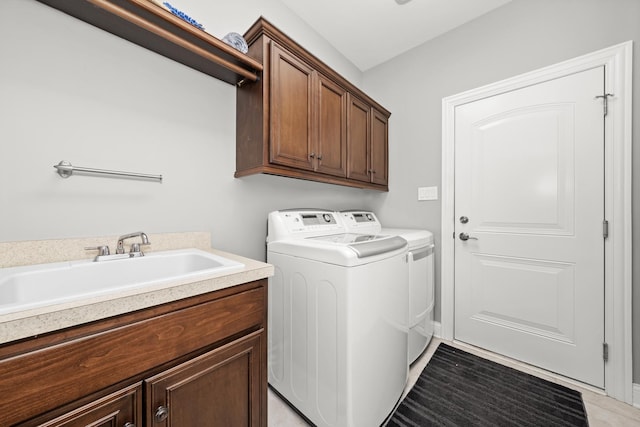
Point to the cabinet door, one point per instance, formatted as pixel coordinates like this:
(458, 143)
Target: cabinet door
(219, 388)
(379, 148)
(358, 137)
(291, 136)
(120, 409)
(332, 128)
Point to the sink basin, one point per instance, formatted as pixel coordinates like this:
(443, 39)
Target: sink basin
(23, 288)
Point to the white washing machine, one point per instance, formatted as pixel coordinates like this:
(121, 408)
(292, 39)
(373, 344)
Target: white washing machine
(337, 335)
(420, 275)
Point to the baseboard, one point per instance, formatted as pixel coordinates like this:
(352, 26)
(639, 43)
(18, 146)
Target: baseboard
(437, 329)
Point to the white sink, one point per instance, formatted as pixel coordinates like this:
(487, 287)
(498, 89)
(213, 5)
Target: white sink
(23, 288)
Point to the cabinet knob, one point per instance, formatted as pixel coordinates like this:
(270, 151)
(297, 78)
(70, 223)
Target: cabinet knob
(319, 156)
(129, 425)
(312, 155)
(162, 413)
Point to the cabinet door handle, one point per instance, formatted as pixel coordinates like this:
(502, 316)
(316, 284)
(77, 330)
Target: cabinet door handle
(162, 413)
(129, 425)
(319, 156)
(312, 155)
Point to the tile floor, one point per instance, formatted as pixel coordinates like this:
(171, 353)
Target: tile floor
(602, 411)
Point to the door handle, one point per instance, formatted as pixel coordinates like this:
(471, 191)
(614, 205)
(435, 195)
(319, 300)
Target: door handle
(465, 237)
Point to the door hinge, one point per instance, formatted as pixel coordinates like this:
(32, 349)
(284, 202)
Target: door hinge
(605, 351)
(605, 102)
(605, 229)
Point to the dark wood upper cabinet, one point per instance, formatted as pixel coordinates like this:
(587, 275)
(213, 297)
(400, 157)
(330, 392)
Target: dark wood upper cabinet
(292, 111)
(303, 120)
(332, 128)
(379, 148)
(308, 122)
(359, 137)
(152, 27)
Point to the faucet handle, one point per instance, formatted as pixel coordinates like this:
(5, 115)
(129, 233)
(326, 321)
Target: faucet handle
(135, 248)
(102, 249)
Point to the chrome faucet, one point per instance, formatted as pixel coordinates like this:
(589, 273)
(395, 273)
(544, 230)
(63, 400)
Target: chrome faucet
(135, 247)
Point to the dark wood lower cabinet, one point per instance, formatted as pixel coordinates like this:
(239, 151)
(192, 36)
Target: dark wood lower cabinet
(196, 362)
(120, 409)
(215, 389)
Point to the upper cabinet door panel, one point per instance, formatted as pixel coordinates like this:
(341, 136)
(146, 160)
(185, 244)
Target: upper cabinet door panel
(292, 112)
(379, 148)
(359, 119)
(332, 128)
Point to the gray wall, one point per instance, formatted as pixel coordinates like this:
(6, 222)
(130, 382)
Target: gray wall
(521, 36)
(70, 91)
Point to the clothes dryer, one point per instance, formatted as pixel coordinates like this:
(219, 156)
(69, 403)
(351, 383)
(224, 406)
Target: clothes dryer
(420, 266)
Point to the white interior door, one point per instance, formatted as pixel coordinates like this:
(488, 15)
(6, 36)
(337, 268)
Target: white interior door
(529, 193)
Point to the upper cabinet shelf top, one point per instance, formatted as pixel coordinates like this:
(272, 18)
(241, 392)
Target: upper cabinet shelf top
(150, 26)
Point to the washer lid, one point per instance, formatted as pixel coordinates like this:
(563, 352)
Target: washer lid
(365, 245)
(415, 237)
(329, 249)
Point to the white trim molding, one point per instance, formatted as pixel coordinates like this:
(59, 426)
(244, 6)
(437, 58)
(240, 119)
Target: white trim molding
(617, 61)
(636, 395)
(437, 329)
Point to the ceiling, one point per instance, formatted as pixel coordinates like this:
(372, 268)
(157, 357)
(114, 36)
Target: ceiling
(370, 32)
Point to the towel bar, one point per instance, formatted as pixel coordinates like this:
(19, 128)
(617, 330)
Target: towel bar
(66, 169)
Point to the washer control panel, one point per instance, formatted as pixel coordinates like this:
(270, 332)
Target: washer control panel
(361, 221)
(303, 223)
(363, 217)
(311, 219)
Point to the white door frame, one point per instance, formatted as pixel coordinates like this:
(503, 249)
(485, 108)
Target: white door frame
(618, 263)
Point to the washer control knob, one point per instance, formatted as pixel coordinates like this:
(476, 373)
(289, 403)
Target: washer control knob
(327, 217)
